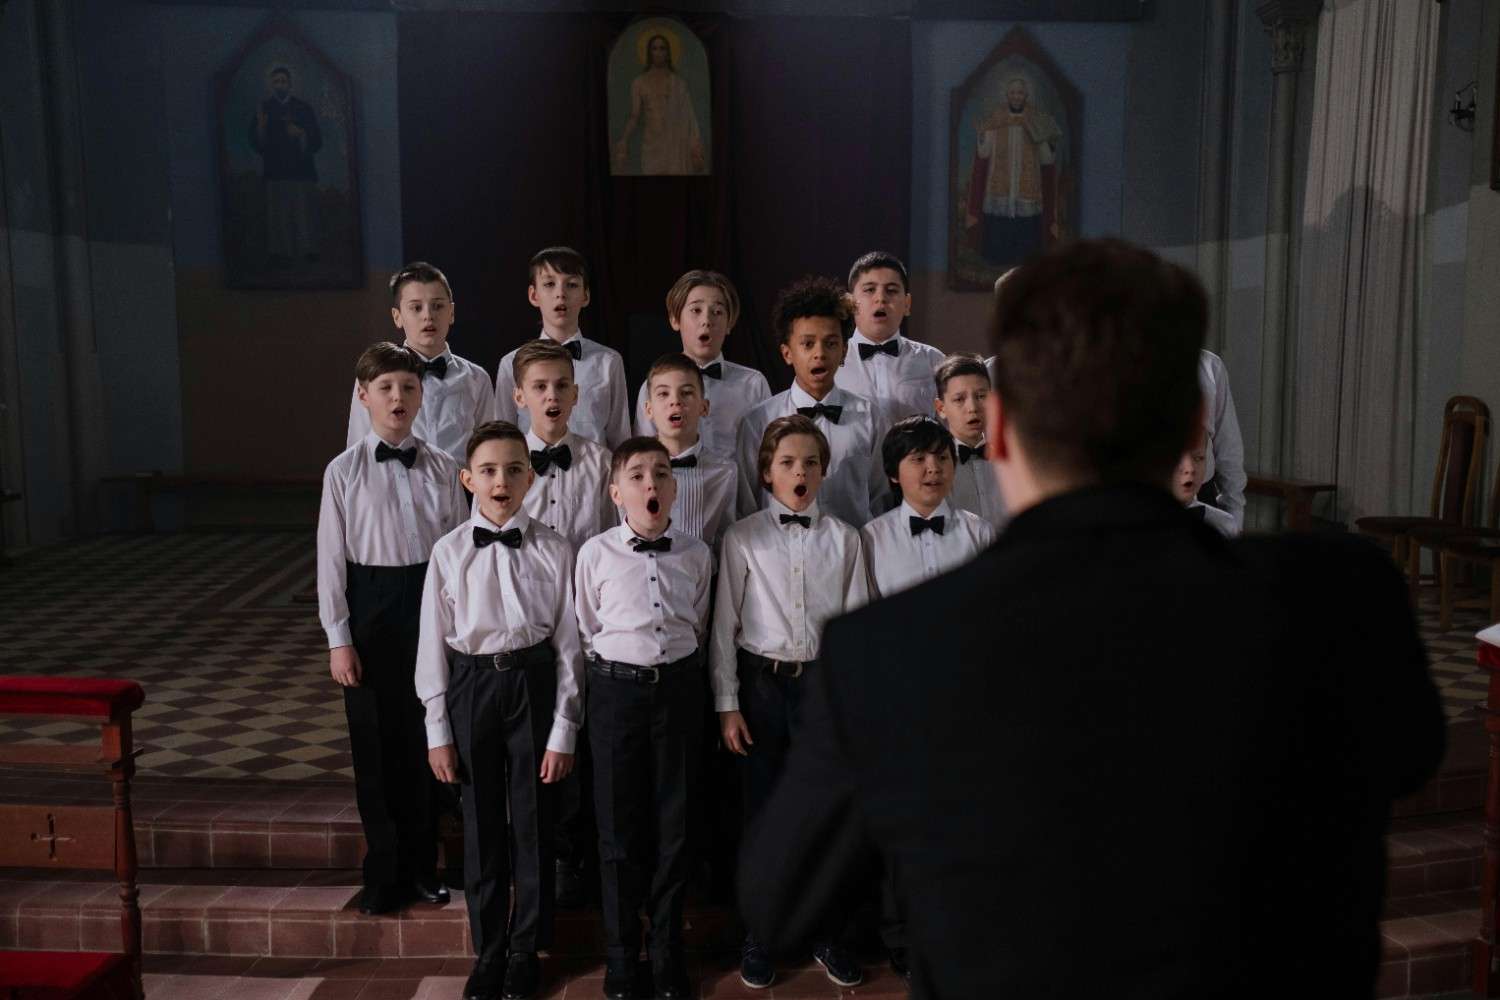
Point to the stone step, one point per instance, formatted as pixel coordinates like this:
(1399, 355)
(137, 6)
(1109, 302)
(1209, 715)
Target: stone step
(1427, 939)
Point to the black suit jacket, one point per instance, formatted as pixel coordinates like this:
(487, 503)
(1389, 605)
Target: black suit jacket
(1115, 755)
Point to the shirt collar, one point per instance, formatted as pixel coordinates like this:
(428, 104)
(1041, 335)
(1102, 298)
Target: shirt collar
(577, 335)
(446, 352)
(777, 508)
(800, 397)
(372, 439)
(941, 510)
(691, 450)
(535, 443)
(626, 532)
(860, 338)
(520, 519)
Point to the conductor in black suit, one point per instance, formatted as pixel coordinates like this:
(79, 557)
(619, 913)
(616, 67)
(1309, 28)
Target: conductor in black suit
(1116, 755)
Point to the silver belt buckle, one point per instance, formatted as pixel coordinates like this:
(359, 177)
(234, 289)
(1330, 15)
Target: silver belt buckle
(793, 669)
(655, 674)
(501, 661)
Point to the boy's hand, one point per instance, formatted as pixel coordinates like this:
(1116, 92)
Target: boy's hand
(555, 766)
(444, 763)
(343, 664)
(735, 733)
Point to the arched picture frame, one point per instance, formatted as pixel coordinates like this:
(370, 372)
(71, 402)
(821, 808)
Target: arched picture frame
(659, 108)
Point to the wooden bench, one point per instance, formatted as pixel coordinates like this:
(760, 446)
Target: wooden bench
(1296, 496)
(149, 485)
(94, 838)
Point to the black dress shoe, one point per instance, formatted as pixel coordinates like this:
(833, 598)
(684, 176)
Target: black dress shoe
(838, 965)
(522, 976)
(756, 970)
(899, 964)
(619, 981)
(430, 890)
(568, 884)
(483, 983)
(378, 899)
(671, 979)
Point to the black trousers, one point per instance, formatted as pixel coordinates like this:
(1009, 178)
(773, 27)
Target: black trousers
(647, 743)
(575, 833)
(501, 720)
(393, 786)
(771, 706)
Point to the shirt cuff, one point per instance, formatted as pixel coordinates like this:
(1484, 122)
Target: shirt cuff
(340, 635)
(727, 703)
(564, 737)
(439, 733)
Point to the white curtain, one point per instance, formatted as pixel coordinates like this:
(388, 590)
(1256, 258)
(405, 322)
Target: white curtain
(1360, 259)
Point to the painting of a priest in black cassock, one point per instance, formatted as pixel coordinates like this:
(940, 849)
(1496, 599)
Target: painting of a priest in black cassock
(284, 131)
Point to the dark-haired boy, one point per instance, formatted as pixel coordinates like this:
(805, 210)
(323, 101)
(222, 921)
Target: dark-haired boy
(706, 484)
(457, 394)
(963, 384)
(558, 287)
(500, 671)
(812, 318)
(642, 599)
(386, 500)
(882, 364)
(784, 571)
(703, 306)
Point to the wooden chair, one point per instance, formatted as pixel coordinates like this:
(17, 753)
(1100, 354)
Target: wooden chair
(1466, 425)
(92, 837)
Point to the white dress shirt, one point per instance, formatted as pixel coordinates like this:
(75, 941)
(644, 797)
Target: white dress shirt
(899, 559)
(855, 478)
(706, 495)
(574, 502)
(496, 600)
(452, 406)
(975, 489)
(1220, 520)
(729, 399)
(1226, 449)
(603, 411)
(643, 608)
(907, 383)
(778, 584)
(380, 514)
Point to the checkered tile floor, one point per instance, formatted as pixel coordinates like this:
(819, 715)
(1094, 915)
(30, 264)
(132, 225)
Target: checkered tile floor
(233, 663)
(218, 629)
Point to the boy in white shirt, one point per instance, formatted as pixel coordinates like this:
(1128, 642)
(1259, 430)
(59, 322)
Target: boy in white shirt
(386, 500)
(882, 364)
(925, 535)
(784, 571)
(703, 306)
(1188, 479)
(812, 318)
(456, 394)
(642, 591)
(963, 384)
(559, 289)
(1225, 454)
(500, 673)
(571, 496)
(706, 484)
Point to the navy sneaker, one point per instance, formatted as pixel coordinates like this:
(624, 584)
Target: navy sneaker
(839, 965)
(756, 970)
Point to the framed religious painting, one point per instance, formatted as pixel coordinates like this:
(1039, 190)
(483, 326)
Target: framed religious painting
(288, 171)
(1014, 153)
(659, 90)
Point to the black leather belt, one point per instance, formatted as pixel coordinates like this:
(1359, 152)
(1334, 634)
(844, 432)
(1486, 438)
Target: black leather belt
(639, 674)
(783, 668)
(538, 655)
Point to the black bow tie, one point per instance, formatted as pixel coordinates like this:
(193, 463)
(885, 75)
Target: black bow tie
(575, 348)
(510, 538)
(800, 519)
(406, 456)
(560, 456)
(662, 544)
(1200, 512)
(965, 452)
(868, 351)
(817, 410)
(932, 524)
(715, 370)
(688, 462)
(437, 366)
